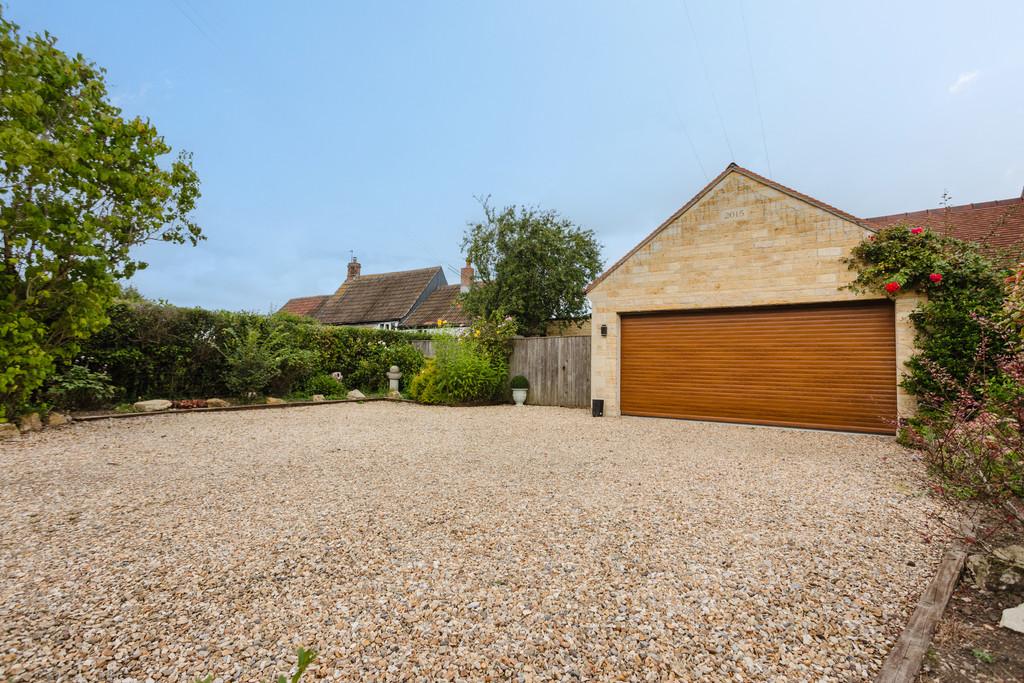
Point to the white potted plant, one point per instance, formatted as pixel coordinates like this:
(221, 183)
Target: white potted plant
(520, 386)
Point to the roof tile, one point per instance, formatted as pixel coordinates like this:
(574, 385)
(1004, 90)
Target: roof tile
(377, 297)
(442, 304)
(997, 225)
(304, 305)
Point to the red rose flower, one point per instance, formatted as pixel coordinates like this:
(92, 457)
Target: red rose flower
(892, 287)
(916, 231)
(935, 277)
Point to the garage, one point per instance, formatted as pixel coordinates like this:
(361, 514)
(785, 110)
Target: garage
(826, 366)
(739, 308)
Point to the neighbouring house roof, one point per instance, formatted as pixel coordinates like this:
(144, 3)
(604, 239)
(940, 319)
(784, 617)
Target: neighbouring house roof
(377, 297)
(441, 304)
(304, 305)
(997, 225)
(731, 168)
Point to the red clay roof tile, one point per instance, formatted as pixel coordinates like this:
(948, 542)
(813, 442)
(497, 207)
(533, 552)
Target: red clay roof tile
(304, 305)
(997, 225)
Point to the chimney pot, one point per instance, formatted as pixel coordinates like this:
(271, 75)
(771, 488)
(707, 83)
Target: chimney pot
(467, 278)
(353, 269)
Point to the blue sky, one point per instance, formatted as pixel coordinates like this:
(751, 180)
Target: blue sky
(324, 127)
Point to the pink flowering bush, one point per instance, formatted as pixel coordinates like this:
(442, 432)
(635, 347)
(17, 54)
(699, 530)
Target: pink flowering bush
(974, 448)
(971, 431)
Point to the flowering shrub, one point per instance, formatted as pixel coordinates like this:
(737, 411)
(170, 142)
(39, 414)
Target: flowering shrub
(1011, 318)
(472, 368)
(459, 373)
(974, 447)
(492, 335)
(962, 288)
(972, 435)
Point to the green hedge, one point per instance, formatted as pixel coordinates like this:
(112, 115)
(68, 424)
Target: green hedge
(160, 351)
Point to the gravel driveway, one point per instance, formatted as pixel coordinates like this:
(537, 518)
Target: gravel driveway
(413, 543)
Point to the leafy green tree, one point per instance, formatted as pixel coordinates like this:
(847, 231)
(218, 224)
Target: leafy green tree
(80, 186)
(531, 264)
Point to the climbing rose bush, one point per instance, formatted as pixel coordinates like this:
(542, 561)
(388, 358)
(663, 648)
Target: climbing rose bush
(962, 288)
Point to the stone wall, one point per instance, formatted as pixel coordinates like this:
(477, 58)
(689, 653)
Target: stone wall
(743, 243)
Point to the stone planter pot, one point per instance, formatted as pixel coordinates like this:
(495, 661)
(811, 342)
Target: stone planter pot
(519, 396)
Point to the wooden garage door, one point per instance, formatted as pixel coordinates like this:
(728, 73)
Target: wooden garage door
(829, 366)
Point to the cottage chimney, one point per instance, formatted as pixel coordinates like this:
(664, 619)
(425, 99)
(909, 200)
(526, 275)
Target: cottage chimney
(467, 277)
(353, 269)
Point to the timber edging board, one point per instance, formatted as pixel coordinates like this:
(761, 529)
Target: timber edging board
(254, 406)
(904, 660)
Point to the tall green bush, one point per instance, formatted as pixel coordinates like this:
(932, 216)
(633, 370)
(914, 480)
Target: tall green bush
(460, 373)
(468, 369)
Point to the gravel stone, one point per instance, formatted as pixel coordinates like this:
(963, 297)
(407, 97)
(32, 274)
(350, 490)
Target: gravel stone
(415, 543)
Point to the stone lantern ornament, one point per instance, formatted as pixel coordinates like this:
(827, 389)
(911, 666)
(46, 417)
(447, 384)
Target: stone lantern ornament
(393, 376)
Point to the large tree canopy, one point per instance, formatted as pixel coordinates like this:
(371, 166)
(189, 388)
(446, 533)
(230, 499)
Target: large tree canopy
(79, 187)
(531, 264)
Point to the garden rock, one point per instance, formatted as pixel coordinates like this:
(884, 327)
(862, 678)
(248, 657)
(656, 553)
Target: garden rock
(319, 398)
(216, 403)
(274, 401)
(1005, 563)
(1011, 555)
(356, 394)
(1011, 577)
(1013, 618)
(57, 419)
(30, 423)
(8, 430)
(979, 567)
(152, 406)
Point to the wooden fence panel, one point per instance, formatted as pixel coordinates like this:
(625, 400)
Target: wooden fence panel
(424, 346)
(558, 369)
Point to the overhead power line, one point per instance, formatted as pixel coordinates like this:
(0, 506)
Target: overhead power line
(707, 77)
(757, 94)
(194, 21)
(689, 139)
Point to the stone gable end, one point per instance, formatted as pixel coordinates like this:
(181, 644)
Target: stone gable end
(742, 244)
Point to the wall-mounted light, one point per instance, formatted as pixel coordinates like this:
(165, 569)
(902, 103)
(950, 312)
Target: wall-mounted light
(604, 330)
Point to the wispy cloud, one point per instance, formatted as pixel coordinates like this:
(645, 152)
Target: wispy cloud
(962, 81)
(123, 97)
